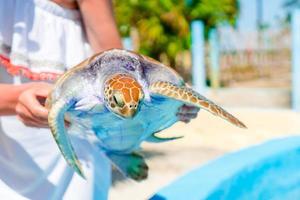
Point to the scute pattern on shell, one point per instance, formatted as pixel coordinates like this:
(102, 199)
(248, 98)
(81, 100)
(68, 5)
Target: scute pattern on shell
(126, 59)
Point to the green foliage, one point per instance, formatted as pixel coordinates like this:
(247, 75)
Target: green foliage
(163, 25)
(289, 6)
(291, 3)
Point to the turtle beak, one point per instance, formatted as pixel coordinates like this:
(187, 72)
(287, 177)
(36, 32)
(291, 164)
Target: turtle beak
(132, 113)
(129, 111)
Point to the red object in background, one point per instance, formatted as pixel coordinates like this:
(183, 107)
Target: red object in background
(15, 70)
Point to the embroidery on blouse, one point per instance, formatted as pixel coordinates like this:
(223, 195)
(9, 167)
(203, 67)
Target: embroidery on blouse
(22, 70)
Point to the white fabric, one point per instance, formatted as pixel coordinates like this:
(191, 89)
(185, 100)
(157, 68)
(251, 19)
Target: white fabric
(41, 35)
(31, 166)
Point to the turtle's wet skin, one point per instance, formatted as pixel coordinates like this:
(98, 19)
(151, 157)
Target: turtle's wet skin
(120, 99)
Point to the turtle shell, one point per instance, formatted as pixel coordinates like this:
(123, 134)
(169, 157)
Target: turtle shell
(114, 133)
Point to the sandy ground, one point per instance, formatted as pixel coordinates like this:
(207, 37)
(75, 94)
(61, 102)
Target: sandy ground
(206, 138)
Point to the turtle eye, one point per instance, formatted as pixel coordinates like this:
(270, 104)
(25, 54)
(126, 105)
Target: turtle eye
(118, 98)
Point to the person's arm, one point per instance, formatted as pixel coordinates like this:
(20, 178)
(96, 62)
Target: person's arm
(9, 97)
(23, 101)
(100, 24)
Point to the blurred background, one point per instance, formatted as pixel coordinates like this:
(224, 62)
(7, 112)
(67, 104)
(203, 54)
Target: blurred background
(242, 54)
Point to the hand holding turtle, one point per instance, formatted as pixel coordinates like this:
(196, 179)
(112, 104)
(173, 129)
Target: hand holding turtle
(186, 113)
(30, 106)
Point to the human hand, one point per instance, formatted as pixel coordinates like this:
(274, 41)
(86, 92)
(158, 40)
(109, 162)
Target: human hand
(30, 106)
(186, 113)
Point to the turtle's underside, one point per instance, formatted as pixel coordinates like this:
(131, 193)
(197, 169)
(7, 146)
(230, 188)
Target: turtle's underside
(122, 99)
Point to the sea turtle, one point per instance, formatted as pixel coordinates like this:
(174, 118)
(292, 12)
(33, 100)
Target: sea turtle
(120, 98)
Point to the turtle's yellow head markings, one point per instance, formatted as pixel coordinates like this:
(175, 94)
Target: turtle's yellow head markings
(123, 95)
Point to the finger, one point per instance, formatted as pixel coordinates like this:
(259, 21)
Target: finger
(185, 120)
(32, 123)
(28, 122)
(44, 89)
(188, 116)
(46, 125)
(43, 124)
(27, 116)
(42, 94)
(30, 101)
(189, 109)
(193, 109)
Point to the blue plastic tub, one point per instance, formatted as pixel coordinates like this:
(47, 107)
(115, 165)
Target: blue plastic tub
(267, 171)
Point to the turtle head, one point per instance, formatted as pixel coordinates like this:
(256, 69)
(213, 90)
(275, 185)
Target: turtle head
(123, 95)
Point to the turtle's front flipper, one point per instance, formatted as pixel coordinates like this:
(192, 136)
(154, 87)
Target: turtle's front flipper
(190, 96)
(131, 165)
(57, 126)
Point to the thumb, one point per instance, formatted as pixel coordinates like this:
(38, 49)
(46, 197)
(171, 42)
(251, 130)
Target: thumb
(42, 94)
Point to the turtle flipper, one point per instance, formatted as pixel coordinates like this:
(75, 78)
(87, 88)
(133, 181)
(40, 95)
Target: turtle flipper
(156, 139)
(190, 96)
(131, 165)
(57, 126)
